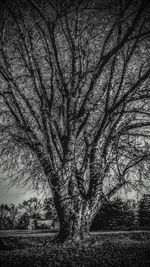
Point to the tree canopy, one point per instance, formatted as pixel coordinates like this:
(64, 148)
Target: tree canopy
(74, 96)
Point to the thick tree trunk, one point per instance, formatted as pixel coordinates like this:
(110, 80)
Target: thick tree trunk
(74, 224)
(74, 212)
(73, 230)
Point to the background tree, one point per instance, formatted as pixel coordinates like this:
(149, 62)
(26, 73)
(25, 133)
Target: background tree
(8, 216)
(74, 98)
(144, 211)
(49, 208)
(3, 215)
(23, 221)
(12, 216)
(32, 207)
(116, 214)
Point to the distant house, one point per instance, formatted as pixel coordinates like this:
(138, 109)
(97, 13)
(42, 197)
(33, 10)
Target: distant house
(50, 224)
(57, 225)
(32, 224)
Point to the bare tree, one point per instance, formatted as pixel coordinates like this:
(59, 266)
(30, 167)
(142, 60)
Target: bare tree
(8, 216)
(75, 103)
(32, 207)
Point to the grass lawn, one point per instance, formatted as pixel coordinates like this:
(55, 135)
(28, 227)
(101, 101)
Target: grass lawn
(114, 249)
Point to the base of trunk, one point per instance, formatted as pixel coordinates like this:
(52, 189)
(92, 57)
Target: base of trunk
(75, 220)
(71, 240)
(72, 236)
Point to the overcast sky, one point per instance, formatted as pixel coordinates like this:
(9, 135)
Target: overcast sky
(16, 194)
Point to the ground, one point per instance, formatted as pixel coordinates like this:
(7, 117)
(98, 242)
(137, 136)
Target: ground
(103, 249)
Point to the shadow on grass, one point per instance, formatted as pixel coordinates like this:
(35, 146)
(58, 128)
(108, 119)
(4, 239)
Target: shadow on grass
(102, 250)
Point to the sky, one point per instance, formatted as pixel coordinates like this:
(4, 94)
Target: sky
(16, 194)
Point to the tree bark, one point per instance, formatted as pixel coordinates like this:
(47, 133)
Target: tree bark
(74, 217)
(74, 212)
(75, 221)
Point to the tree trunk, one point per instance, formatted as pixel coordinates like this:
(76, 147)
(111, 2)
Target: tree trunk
(74, 224)
(73, 211)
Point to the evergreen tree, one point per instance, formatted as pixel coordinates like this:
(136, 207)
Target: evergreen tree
(117, 214)
(144, 211)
